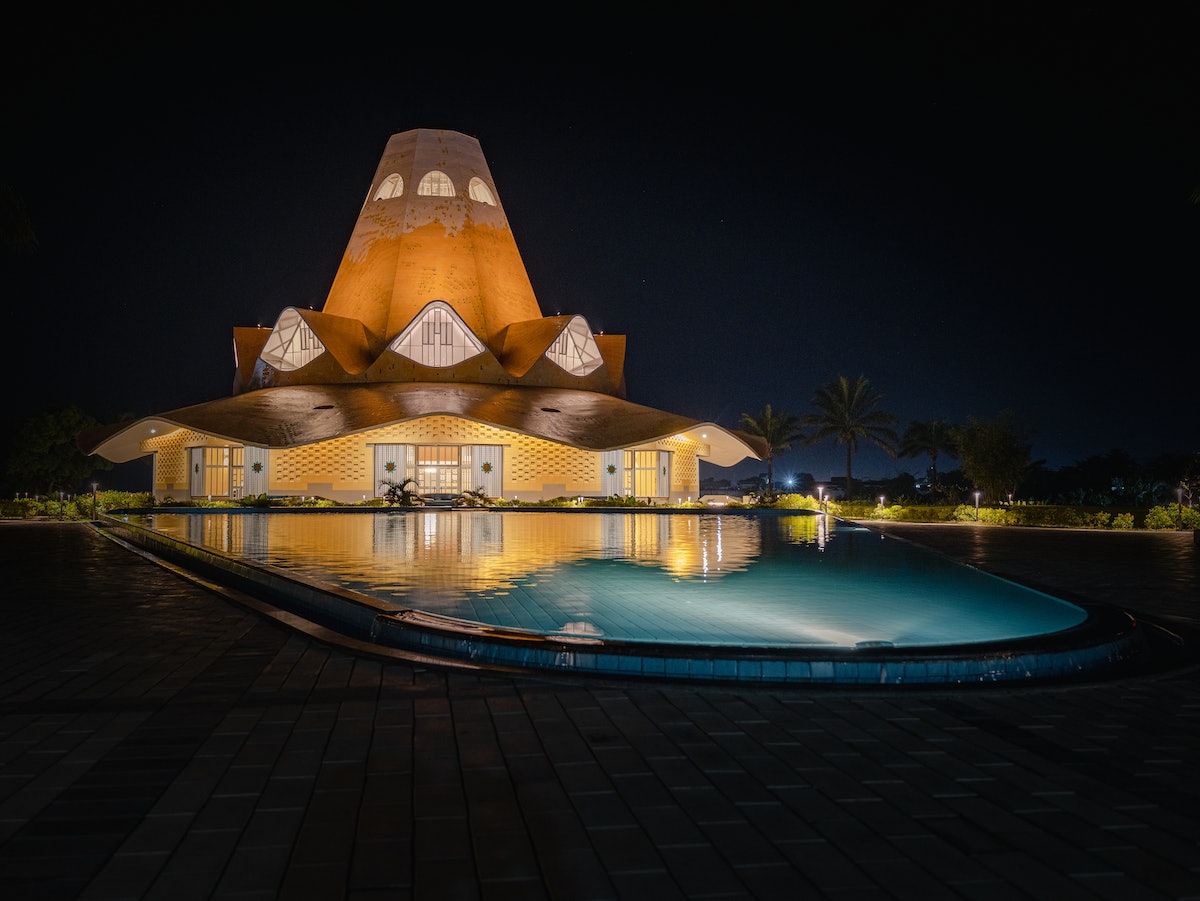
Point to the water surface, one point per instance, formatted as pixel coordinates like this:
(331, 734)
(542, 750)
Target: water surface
(740, 579)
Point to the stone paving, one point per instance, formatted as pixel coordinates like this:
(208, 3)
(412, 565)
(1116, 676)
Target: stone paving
(163, 739)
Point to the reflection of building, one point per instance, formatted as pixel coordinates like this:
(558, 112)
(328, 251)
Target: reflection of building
(430, 360)
(446, 553)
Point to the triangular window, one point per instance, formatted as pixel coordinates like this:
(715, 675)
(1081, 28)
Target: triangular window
(437, 337)
(575, 349)
(292, 343)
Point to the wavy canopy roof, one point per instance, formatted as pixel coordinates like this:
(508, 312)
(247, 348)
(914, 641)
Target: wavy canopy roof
(304, 414)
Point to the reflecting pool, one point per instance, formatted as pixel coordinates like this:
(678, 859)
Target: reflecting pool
(782, 580)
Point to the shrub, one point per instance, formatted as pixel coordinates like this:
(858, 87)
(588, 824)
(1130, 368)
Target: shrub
(476, 497)
(1170, 516)
(404, 493)
(795, 502)
(615, 500)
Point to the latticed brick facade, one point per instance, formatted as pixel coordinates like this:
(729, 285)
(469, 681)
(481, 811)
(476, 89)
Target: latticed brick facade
(343, 468)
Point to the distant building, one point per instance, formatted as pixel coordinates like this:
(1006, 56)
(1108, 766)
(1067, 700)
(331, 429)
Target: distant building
(430, 360)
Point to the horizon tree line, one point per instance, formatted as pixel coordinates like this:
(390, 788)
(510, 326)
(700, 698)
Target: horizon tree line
(995, 455)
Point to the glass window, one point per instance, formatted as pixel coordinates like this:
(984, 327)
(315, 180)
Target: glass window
(438, 468)
(575, 348)
(392, 186)
(641, 470)
(216, 471)
(435, 183)
(437, 337)
(478, 190)
(292, 343)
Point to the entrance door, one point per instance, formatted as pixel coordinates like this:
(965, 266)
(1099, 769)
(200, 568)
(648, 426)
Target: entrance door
(439, 469)
(216, 471)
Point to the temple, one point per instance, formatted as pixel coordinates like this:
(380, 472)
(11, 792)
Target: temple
(430, 360)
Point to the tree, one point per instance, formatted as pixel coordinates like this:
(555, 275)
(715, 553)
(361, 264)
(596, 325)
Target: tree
(778, 430)
(929, 439)
(995, 454)
(404, 493)
(43, 456)
(473, 497)
(848, 415)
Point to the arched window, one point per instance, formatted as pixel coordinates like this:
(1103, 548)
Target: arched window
(435, 183)
(478, 190)
(292, 343)
(392, 186)
(575, 349)
(437, 337)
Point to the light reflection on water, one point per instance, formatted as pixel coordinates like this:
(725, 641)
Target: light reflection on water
(706, 578)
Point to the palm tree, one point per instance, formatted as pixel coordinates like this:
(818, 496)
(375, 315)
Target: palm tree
(929, 439)
(848, 414)
(405, 493)
(778, 430)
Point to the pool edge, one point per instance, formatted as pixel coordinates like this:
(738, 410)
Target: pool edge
(1110, 642)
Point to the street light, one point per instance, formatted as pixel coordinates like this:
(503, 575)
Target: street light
(821, 497)
(977, 506)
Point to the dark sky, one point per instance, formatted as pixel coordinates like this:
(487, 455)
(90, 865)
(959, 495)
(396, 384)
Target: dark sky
(980, 209)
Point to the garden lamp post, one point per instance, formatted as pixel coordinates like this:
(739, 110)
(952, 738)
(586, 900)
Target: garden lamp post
(977, 506)
(95, 485)
(1179, 494)
(821, 497)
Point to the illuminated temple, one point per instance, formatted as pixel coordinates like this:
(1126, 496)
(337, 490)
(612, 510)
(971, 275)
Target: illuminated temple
(430, 360)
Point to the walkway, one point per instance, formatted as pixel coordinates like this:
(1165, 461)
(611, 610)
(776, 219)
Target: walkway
(160, 740)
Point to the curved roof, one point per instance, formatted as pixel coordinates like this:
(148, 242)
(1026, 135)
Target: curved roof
(296, 415)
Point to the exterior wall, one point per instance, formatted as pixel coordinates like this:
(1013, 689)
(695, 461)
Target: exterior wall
(172, 478)
(343, 469)
(257, 471)
(684, 469)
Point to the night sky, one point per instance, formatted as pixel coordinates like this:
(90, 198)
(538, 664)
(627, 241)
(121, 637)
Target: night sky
(979, 209)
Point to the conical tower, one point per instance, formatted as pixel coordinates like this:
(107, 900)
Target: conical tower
(432, 228)
(431, 288)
